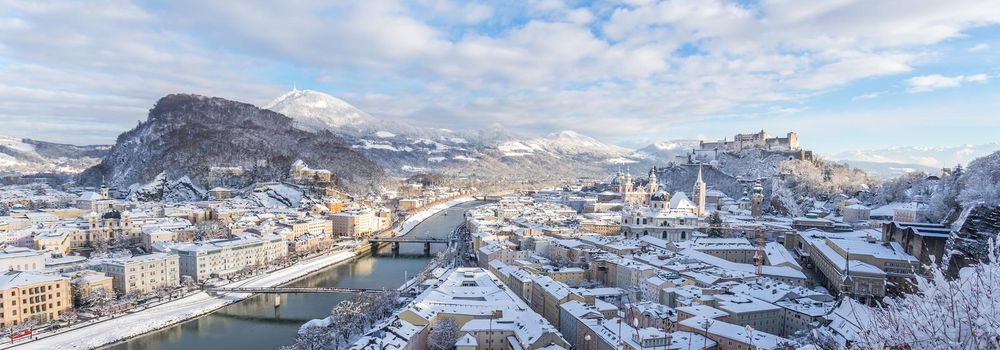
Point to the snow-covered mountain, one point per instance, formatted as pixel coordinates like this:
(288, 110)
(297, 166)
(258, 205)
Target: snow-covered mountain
(665, 150)
(315, 111)
(404, 149)
(934, 157)
(889, 170)
(187, 136)
(562, 143)
(26, 156)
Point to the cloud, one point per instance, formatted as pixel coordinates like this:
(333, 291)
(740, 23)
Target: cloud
(979, 47)
(541, 65)
(868, 96)
(925, 83)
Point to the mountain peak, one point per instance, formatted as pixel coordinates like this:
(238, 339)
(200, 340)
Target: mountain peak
(314, 110)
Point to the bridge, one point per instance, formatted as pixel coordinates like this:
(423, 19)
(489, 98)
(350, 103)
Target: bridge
(376, 241)
(288, 290)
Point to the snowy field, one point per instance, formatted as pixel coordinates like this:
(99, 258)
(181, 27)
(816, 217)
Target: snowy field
(422, 215)
(173, 312)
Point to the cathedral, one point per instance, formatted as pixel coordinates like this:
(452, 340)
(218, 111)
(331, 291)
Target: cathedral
(650, 210)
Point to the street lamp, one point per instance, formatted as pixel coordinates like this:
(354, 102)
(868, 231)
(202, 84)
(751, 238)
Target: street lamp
(586, 342)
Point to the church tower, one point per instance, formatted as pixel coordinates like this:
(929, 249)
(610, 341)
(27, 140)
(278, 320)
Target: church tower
(652, 186)
(698, 194)
(104, 189)
(757, 201)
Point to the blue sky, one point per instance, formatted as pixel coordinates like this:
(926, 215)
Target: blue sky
(844, 74)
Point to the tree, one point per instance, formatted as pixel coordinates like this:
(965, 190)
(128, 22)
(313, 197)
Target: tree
(528, 243)
(715, 220)
(99, 300)
(442, 336)
(212, 229)
(313, 337)
(963, 313)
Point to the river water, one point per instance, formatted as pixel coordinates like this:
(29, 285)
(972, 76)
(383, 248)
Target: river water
(254, 323)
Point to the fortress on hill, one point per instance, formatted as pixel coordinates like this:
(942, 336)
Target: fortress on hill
(760, 140)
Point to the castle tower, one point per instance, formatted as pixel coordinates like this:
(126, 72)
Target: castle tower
(757, 200)
(698, 194)
(793, 141)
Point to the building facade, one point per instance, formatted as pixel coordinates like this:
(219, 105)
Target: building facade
(26, 296)
(144, 273)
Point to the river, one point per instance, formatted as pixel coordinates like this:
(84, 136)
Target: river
(254, 323)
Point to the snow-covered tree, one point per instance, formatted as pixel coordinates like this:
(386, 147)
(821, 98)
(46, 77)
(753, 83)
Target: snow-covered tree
(211, 229)
(313, 337)
(98, 301)
(962, 313)
(442, 336)
(981, 181)
(715, 220)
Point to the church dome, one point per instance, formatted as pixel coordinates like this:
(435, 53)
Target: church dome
(660, 196)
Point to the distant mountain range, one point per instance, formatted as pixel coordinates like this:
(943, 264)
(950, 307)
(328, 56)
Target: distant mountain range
(896, 161)
(190, 135)
(26, 156)
(404, 150)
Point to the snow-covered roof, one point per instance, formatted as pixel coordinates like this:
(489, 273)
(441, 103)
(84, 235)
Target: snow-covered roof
(476, 292)
(777, 271)
(13, 279)
(90, 196)
(743, 334)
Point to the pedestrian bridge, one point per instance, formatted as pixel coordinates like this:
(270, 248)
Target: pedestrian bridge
(396, 241)
(290, 290)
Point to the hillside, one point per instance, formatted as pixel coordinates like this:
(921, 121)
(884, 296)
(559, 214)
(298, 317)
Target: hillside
(21, 156)
(187, 135)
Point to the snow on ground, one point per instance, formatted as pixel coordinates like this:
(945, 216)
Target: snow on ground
(413, 169)
(436, 159)
(16, 144)
(368, 144)
(422, 215)
(176, 311)
(620, 160)
(385, 134)
(464, 158)
(515, 149)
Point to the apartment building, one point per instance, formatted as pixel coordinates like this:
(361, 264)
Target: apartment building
(855, 264)
(355, 223)
(219, 258)
(144, 273)
(28, 295)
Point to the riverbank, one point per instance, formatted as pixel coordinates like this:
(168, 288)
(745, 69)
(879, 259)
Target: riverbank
(173, 312)
(423, 214)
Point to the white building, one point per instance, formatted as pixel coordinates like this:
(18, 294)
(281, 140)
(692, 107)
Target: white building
(143, 273)
(856, 213)
(21, 259)
(357, 223)
(219, 258)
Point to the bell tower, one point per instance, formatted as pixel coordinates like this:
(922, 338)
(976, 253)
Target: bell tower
(698, 194)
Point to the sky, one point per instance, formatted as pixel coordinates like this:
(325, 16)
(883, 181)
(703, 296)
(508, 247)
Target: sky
(844, 74)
